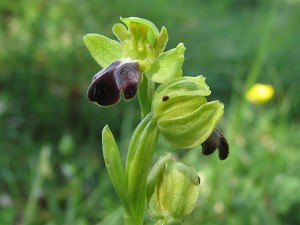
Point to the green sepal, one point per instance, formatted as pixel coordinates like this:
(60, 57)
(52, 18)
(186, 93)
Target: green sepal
(183, 115)
(167, 65)
(183, 93)
(154, 173)
(184, 86)
(180, 190)
(141, 28)
(113, 163)
(103, 49)
(186, 130)
(174, 108)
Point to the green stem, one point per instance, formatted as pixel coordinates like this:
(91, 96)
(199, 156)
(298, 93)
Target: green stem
(139, 158)
(145, 93)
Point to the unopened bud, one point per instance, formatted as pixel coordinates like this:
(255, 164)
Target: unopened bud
(173, 190)
(184, 117)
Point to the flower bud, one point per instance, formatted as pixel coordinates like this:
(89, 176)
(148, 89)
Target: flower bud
(120, 76)
(184, 117)
(173, 190)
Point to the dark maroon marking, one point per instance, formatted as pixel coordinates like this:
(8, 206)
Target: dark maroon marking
(223, 147)
(104, 90)
(165, 98)
(130, 91)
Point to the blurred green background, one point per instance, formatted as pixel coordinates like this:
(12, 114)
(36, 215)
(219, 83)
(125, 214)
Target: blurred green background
(52, 170)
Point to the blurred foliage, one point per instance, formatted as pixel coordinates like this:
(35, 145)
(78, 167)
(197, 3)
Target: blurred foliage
(45, 71)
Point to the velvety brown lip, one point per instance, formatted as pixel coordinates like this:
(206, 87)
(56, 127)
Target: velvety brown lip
(107, 85)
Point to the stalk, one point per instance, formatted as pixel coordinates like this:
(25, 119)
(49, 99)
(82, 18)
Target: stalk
(139, 158)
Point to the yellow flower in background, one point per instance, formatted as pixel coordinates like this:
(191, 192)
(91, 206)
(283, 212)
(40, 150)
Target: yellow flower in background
(260, 93)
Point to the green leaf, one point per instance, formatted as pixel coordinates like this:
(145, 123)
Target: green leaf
(167, 65)
(113, 162)
(140, 153)
(139, 158)
(103, 49)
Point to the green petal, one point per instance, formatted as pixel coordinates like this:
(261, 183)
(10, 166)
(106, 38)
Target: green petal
(167, 65)
(103, 49)
(161, 41)
(121, 32)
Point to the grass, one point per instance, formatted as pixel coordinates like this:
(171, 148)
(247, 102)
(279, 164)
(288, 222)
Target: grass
(46, 120)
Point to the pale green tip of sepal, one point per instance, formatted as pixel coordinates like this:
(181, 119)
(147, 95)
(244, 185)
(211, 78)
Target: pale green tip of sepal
(113, 162)
(102, 49)
(167, 65)
(154, 173)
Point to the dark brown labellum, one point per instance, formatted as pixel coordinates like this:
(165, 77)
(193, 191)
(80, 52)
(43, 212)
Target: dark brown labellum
(107, 85)
(130, 91)
(216, 141)
(104, 90)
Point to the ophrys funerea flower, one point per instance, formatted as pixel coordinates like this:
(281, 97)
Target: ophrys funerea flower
(139, 52)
